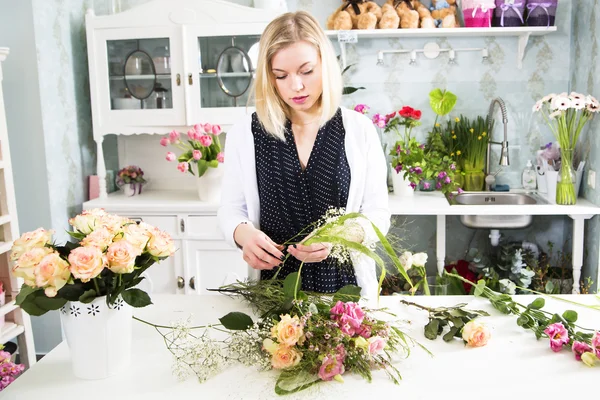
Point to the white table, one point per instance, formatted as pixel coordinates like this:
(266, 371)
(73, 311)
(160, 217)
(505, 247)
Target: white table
(434, 203)
(513, 364)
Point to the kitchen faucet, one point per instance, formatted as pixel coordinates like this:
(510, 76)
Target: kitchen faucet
(489, 178)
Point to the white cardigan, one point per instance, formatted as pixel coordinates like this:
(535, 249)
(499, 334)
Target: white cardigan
(368, 191)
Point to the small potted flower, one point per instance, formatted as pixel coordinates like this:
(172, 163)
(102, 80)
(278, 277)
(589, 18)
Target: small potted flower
(8, 369)
(131, 179)
(200, 155)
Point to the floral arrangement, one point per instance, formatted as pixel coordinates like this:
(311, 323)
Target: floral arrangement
(131, 174)
(107, 258)
(201, 148)
(8, 370)
(472, 137)
(566, 115)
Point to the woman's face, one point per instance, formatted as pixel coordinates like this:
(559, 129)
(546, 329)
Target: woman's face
(298, 76)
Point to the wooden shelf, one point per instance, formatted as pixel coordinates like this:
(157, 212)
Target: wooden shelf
(9, 331)
(4, 219)
(7, 308)
(5, 247)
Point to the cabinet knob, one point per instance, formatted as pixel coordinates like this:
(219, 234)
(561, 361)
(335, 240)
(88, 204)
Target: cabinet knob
(180, 282)
(190, 79)
(182, 225)
(178, 79)
(193, 283)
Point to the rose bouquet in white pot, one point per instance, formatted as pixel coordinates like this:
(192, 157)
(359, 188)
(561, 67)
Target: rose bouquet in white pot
(92, 281)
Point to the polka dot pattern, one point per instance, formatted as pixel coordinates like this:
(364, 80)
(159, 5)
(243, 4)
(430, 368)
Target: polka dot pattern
(292, 198)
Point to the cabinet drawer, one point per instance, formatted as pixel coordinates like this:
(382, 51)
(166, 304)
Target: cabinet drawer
(204, 227)
(167, 223)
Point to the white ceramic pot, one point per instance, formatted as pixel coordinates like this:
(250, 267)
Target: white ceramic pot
(130, 189)
(209, 185)
(551, 180)
(401, 186)
(99, 338)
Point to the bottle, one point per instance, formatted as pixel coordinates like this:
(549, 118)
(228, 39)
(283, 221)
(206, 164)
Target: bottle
(529, 177)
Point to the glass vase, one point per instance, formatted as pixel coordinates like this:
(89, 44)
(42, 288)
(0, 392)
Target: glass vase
(565, 185)
(474, 178)
(427, 185)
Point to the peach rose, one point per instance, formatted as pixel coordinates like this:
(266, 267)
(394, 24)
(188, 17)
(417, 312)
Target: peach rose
(38, 238)
(121, 257)
(160, 243)
(52, 273)
(25, 266)
(137, 235)
(100, 238)
(87, 221)
(476, 334)
(86, 262)
(288, 331)
(283, 357)
(114, 223)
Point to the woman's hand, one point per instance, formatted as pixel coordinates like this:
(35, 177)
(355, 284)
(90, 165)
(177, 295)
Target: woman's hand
(310, 254)
(260, 252)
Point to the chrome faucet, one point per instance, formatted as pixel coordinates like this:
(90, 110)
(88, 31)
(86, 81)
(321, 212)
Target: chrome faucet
(504, 161)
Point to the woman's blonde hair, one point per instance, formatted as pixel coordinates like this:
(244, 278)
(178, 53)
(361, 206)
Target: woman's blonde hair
(282, 32)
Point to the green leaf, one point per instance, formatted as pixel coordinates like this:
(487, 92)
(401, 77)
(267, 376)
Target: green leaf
(523, 320)
(537, 304)
(431, 329)
(24, 293)
(290, 286)
(48, 303)
(459, 323)
(236, 321)
(450, 334)
(549, 287)
(480, 287)
(570, 316)
(347, 293)
(88, 296)
(202, 167)
(30, 307)
(72, 292)
(442, 102)
(350, 89)
(294, 381)
(136, 298)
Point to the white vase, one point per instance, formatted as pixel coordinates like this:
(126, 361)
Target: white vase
(99, 337)
(130, 189)
(209, 185)
(401, 186)
(551, 180)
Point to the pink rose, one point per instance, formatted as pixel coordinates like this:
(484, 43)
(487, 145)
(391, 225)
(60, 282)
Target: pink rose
(330, 368)
(121, 257)
(164, 141)
(38, 238)
(579, 348)
(52, 273)
(171, 156)
(207, 128)
(288, 331)
(86, 263)
(160, 243)
(558, 336)
(174, 136)
(206, 140)
(283, 357)
(182, 166)
(100, 238)
(376, 345)
(476, 334)
(197, 154)
(136, 235)
(348, 315)
(216, 130)
(27, 263)
(221, 157)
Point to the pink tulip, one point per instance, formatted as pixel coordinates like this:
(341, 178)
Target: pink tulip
(174, 136)
(205, 140)
(207, 128)
(192, 134)
(171, 156)
(197, 154)
(164, 141)
(182, 166)
(216, 130)
(221, 157)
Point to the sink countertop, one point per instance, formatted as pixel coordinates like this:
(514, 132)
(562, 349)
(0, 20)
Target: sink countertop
(422, 203)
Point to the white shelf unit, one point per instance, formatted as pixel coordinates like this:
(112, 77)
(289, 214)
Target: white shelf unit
(521, 33)
(18, 322)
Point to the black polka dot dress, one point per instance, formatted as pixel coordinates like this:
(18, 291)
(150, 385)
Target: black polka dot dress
(292, 198)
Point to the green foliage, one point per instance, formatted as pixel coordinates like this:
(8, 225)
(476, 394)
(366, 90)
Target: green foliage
(236, 321)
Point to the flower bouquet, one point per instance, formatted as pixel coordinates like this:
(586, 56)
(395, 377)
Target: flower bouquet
(8, 369)
(92, 281)
(472, 139)
(203, 149)
(566, 115)
(131, 179)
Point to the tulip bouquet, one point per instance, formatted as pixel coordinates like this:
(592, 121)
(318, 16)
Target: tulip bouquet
(107, 258)
(202, 148)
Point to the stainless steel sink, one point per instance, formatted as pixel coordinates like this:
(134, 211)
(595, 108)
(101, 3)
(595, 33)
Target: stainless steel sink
(496, 198)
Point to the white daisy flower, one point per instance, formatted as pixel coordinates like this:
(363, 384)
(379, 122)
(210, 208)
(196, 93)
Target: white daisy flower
(561, 103)
(555, 114)
(548, 98)
(537, 106)
(578, 104)
(592, 104)
(576, 96)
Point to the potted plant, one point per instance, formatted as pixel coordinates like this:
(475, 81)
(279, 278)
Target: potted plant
(201, 149)
(131, 179)
(472, 137)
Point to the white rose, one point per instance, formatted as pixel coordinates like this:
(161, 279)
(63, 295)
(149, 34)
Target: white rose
(121, 257)
(113, 223)
(84, 223)
(26, 264)
(38, 238)
(137, 235)
(100, 238)
(86, 263)
(406, 259)
(160, 243)
(419, 259)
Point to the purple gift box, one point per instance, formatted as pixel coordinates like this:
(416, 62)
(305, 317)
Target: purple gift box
(541, 12)
(509, 13)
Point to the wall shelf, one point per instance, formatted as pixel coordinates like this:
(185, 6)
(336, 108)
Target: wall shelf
(9, 331)
(522, 33)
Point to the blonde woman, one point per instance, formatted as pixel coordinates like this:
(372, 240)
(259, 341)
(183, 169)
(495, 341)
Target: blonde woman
(298, 155)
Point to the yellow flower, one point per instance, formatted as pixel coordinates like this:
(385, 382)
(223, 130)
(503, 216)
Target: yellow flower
(458, 153)
(479, 138)
(484, 134)
(437, 125)
(471, 130)
(451, 154)
(453, 136)
(453, 132)
(457, 119)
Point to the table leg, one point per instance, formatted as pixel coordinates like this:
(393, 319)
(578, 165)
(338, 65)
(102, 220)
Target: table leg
(440, 250)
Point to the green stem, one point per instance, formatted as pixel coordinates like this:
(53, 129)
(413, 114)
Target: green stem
(96, 286)
(298, 281)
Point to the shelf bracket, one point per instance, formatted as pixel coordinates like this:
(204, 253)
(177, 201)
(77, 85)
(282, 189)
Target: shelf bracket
(343, 38)
(523, 39)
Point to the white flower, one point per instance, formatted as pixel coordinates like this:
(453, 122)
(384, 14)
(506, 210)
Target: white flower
(578, 104)
(555, 114)
(406, 259)
(419, 259)
(561, 103)
(507, 286)
(548, 98)
(592, 104)
(537, 106)
(576, 96)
